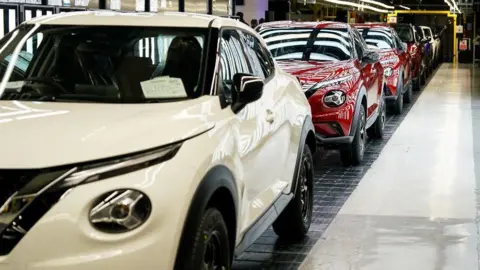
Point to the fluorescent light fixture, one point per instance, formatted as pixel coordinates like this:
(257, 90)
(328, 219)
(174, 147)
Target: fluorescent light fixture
(404, 7)
(453, 5)
(347, 3)
(378, 4)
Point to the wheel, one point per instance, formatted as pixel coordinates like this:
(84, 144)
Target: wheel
(376, 130)
(397, 106)
(210, 249)
(408, 95)
(353, 153)
(293, 223)
(416, 84)
(423, 78)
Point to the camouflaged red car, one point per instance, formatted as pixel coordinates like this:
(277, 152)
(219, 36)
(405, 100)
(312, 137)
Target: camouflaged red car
(342, 79)
(395, 59)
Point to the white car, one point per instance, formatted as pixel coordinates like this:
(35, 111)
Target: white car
(427, 32)
(147, 141)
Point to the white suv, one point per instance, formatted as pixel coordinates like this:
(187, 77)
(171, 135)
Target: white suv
(147, 141)
(427, 32)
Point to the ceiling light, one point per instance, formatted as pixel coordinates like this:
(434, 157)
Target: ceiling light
(404, 7)
(378, 3)
(347, 3)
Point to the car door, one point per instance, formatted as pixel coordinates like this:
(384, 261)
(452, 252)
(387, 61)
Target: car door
(250, 128)
(403, 57)
(369, 73)
(279, 150)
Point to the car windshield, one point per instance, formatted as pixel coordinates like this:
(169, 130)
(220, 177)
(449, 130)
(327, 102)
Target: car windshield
(114, 64)
(287, 43)
(405, 33)
(378, 37)
(331, 44)
(325, 44)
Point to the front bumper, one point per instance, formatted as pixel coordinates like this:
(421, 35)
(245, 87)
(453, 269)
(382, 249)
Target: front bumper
(333, 142)
(63, 238)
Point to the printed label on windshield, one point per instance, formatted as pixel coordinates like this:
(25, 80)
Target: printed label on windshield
(163, 87)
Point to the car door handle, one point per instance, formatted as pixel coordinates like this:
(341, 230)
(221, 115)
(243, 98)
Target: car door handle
(270, 117)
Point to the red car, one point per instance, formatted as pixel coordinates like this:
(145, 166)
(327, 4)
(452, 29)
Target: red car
(409, 35)
(341, 77)
(395, 59)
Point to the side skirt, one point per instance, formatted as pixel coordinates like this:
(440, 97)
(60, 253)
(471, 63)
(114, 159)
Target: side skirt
(263, 223)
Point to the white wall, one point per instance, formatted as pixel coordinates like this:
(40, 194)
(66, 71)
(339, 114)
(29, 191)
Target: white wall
(253, 9)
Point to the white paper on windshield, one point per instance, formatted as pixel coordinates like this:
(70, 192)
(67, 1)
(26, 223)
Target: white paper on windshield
(163, 87)
(15, 84)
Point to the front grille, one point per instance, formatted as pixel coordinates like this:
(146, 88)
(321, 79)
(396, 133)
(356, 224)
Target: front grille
(27, 206)
(12, 181)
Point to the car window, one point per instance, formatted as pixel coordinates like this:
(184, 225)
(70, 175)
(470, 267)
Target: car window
(405, 33)
(286, 43)
(378, 37)
(331, 44)
(257, 56)
(357, 41)
(114, 64)
(427, 33)
(232, 61)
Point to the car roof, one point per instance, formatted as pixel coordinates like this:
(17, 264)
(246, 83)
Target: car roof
(116, 18)
(294, 24)
(371, 25)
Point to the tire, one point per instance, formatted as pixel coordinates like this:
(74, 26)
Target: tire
(416, 84)
(353, 153)
(408, 95)
(211, 237)
(397, 106)
(376, 130)
(423, 78)
(294, 222)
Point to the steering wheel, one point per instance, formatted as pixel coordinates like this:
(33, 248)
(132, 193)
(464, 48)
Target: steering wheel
(48, 81)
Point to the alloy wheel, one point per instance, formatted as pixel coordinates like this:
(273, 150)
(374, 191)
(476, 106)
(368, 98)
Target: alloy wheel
(305, 191)
(363, 134)
(213, 253)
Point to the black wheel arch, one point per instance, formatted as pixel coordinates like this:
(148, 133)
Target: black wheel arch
(307, 137)
(218, 185)
(362, 95)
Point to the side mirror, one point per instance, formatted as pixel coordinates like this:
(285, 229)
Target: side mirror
(436, 36)
(249, 88)
(370, 57)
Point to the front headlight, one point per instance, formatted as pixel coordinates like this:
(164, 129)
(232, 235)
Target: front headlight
(334, 98)
(326, 83)
(388, 72)
(120, 211)
(101, 170)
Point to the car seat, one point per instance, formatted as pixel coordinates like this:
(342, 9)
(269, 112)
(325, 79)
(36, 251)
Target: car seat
(130, 72)
(184, 57)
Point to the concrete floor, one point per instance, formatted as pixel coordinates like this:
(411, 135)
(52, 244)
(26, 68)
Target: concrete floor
(416, 207)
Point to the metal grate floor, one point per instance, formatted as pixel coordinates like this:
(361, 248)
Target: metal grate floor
(333, 185)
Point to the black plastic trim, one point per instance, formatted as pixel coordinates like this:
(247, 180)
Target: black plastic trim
(362, 93)
(263, 223)
(216, 178)
(306, 128)
(330, 141)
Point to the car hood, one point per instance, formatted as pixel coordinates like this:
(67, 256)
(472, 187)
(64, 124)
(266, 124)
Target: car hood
(45, 134)
(311, 72)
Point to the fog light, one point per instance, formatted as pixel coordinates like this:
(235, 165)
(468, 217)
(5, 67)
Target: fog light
(120, 211)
